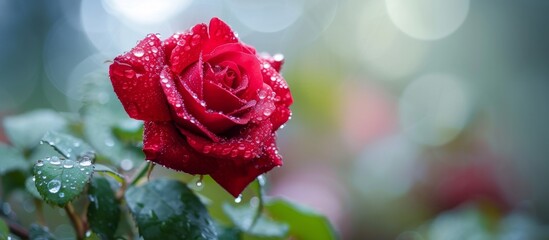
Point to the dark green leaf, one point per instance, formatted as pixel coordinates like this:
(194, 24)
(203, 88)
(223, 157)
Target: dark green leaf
(13, 180)
(40, 233)
(31, 187)
(61, 180)
(43, 151)
(27, 129)
(4, 230)
(242, 218)
(11, 159)
(68, 146)
(227, 233)
(301, 220)
(167, 209)
(103, 210)
(94, 236)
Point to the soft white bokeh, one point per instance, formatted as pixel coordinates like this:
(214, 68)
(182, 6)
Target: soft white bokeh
(434, 109)
(428, 19)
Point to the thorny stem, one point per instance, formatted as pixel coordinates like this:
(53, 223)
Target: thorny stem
(76, 222)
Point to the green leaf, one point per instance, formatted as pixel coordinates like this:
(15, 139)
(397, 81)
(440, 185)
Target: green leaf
(38, 232)
(103, 210)
(243, 217)
(13, 180)
(68, 146)
(300, 220)
(168, 209)
(61, 180)
(100, 168)
(27, 129)
(11, 159)
(4, 230)
(31, 187)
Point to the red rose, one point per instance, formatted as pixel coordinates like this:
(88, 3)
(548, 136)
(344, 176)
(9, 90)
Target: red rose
(210, 103)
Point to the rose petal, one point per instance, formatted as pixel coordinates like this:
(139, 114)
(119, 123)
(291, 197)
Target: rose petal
(219, 99)
(135, 79)
(215, 121)
(247, 144)
(249, 65)
(264, 107)
(179, 109)
(235, 177)
(194, 77)
(275, 61)
(188, 48)
(220, 33)
(164, 145)
(282, 99)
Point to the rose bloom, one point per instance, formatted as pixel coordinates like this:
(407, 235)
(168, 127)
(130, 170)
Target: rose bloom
(210, 103)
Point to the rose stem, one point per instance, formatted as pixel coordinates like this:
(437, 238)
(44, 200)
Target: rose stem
(75, 220)
(260, 193)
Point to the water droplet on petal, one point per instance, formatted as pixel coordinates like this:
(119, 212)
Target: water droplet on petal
(238, 199)
(278, 57)
(207, 149)
(54, 186)
(138, 52)
(196, 40)
(262, 94)
(267, 112)
(154, 49)
(181, 42)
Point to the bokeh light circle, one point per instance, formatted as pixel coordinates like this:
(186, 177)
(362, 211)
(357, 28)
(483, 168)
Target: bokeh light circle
(267, 16)
(145, 11)
(434, 109)
(428, 19)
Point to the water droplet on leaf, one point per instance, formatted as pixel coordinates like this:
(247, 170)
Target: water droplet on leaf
(54, 186)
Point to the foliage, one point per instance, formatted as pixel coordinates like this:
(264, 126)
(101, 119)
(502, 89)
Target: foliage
(90, 166)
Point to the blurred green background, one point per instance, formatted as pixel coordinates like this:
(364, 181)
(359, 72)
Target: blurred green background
(413, 119)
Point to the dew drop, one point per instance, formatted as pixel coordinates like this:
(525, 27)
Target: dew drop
(39, 172)
(68, 164)
(54, 186)
(238, 199)
(262, 94)
(278, 57)
(33, 178)
(267, 112)
(178, 105)
(40, 163)
(164, 80)
(109, 142)
(181, 42)
(196, 40)
(266, 65)
(129, 73)
(154, 49)
(61, 195)
(86, 162)
(207, 149)
(138, 52)
(55, 160)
